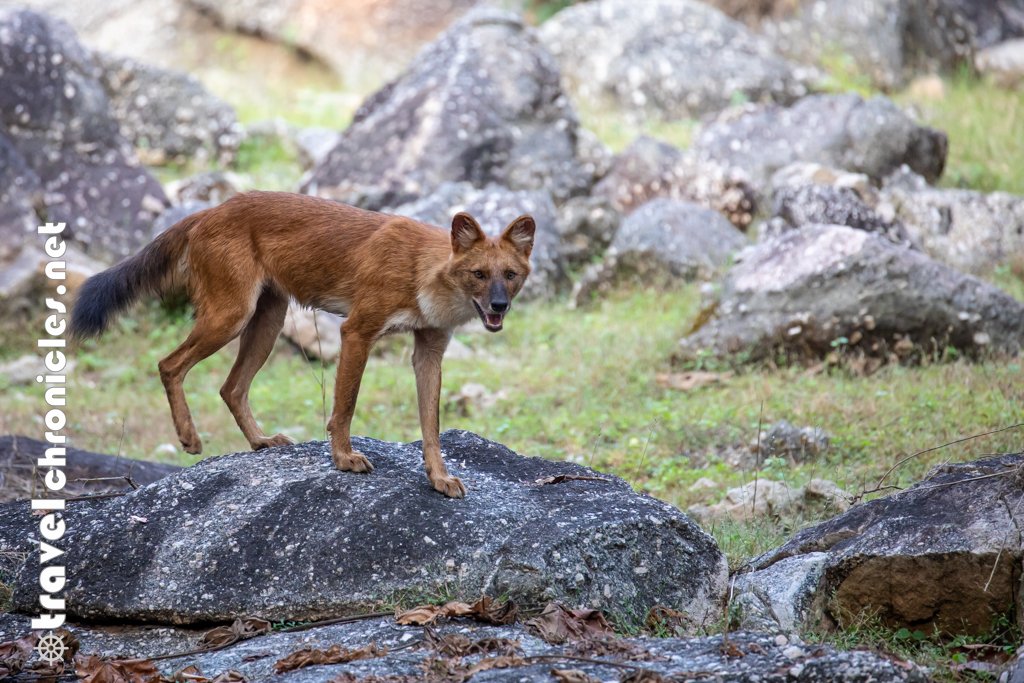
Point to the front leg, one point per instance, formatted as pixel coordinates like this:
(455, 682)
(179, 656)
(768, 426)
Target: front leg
(356, 340)
(426, 361)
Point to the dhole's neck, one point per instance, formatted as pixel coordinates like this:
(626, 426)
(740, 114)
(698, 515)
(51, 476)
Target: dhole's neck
(443, 304)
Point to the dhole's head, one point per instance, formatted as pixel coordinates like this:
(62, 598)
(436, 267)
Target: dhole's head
(491, 270)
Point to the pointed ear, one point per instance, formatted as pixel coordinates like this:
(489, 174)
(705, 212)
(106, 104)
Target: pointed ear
(520, 234)
(465, 232)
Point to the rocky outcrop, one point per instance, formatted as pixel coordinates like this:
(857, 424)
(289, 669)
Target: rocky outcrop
(481, 104)
(831, 205)
(1003, 62)
(404, 651)
(844, 132)
(57, 117)
(86, 472)
(967, 230)
(281, 534)
(944, 553)
(494, 208)
(649, 169)
(364, 42)
(807, 292)
(668, 59)
(664, 242)
(886, 40)
(586, 226)
(168, 115)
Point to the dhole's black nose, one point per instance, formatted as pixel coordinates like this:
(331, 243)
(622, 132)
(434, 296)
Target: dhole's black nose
(499, 306)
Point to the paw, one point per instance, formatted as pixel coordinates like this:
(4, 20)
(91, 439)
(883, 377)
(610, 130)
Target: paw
(449, 486)
(352, 462)
(193, 445)
(271, 441)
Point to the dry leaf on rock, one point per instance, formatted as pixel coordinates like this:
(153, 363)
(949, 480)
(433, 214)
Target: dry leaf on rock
(14, 654)
(229, 676)
(558, 624)
(458, 645)
(242, 629)
(483, 609)
(336, 654)
(488, 611)
(573, 676)
(495, 663)
(190, 674)
(687, 381)
(95, 670)
(645, 676)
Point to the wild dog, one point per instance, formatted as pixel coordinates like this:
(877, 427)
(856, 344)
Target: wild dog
(241, 261)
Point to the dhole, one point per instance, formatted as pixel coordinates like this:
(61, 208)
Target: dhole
(239, 263)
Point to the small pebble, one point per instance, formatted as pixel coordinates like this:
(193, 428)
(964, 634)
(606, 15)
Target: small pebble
(781, 640)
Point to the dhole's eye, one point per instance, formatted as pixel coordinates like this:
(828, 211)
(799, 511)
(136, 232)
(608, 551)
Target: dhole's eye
(510, 275)
(479, 274)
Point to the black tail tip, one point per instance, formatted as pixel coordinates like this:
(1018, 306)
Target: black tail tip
(90, 315)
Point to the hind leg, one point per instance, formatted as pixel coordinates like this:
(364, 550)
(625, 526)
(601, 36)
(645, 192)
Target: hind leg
(257, 342)
(211, 333)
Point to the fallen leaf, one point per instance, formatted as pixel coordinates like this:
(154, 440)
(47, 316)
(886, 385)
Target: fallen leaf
(617, 648)
(730, 650)
(190, 674)
(95, 670)
(242, 629)
(458, 645)
(660, 617)
(496, 663)
(645, 676)
(424, 615)
(559, 478)
(558, 624)
(687, 381)
(229, 676)
(336, 654)
(573, 676)
(14, 654)
(488, 611)
(418, 616)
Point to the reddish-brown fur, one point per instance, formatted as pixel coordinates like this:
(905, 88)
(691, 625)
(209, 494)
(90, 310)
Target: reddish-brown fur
(242, 260)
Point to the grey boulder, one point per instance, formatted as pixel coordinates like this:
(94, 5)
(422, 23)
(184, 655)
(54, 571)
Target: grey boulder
(1003, 62)
(807, 291)
(967, 230)
(21, 194)
(830, 205)
(944, 553)
(282, 535)
(482, 104)
(886, 40)
(650, 169)
(668, 59)
(845, 132)
(662, 243)
(57, 117)
(168, 115)
(495, 207)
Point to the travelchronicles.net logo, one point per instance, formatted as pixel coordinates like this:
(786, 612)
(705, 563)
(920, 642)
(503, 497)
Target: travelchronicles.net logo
(51, 524)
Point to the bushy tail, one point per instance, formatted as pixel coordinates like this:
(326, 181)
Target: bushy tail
(148, 273)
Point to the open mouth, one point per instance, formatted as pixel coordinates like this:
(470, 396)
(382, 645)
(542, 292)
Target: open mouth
(492, 321)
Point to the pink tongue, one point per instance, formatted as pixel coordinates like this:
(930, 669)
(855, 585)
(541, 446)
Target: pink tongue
(493, 319)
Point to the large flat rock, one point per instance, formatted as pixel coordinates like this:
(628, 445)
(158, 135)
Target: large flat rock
(754, 658)
(281, 534)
